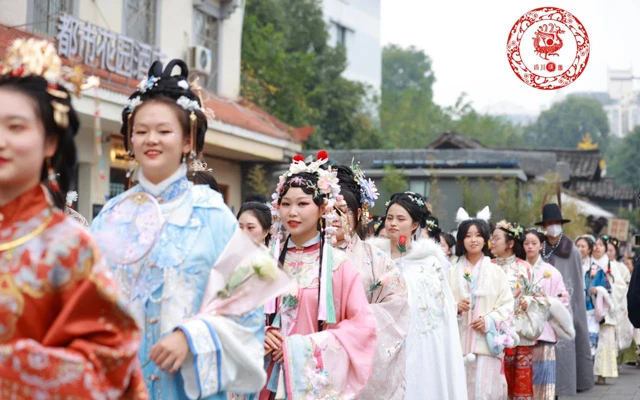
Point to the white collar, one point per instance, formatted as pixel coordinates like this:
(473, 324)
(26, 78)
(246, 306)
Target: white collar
(603, 262)
(160, 187)
(310, 242)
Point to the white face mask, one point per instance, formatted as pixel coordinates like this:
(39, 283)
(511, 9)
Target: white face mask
(554, 230)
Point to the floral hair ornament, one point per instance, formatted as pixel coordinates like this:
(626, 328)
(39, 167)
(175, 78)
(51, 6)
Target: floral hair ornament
(368, 190)
(514, 230)
(34, 57)
(327, 186)
(463, 215)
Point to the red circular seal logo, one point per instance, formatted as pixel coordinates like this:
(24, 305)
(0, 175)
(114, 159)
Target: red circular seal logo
(548, 48)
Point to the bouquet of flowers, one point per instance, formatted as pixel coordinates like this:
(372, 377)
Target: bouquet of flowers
(245, 277)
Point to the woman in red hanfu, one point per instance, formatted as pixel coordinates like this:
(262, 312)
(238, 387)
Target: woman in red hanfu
(63, 329)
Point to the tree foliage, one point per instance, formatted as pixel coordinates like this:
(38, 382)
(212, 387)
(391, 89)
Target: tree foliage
(566, 123)
(289, 69)
(409, 117)
(624, 159)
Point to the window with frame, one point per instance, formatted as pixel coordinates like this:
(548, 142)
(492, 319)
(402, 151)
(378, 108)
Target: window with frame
(205, 33)
(420, 186)
(45, 13)
(340, 34)
(140, 20)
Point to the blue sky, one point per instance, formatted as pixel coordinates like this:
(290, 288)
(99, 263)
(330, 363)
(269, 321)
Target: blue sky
(467, 41)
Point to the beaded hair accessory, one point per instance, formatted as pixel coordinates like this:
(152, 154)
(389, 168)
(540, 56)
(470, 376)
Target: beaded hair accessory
(368, 190)
(199, 165)
(412, 196)
(33, 57)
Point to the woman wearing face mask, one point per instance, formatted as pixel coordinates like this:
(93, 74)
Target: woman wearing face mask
(575, 366)
(64, 330)
(255, 220)
(485, 308)
(322, 340)
(559, 323)
(531, 306)
(601, 318)
(186, 351)
(384, 288)
(432, 337)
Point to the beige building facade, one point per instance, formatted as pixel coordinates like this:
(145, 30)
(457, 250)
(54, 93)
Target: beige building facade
(117, 40)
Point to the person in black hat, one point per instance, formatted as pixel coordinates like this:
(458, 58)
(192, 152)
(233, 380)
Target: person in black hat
(573, 357)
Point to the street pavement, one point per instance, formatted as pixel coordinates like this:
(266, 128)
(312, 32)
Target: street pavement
(625, 387)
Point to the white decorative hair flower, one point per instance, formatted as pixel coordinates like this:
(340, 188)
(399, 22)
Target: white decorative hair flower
(183, 84)
(187, 104)
(133, 103)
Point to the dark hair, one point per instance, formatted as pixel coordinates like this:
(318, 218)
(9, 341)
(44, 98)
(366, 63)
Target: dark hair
(588, 241)
(448, 239)
(606, 239)
(350, 191)
(379, 228)
(537, 233)
(260, 198)
(64, 159)
(167, 91)
(203, 178)
(262, 213)
(517, 239)
(463, 229)
(411, 203)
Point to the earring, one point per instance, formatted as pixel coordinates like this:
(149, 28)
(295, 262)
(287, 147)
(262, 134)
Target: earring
(51, 176)
(184, 158)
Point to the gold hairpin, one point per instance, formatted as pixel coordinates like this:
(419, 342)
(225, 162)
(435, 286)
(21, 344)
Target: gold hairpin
(60, 114)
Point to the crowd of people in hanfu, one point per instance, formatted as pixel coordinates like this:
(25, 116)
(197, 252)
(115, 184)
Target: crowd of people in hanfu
(169, 295)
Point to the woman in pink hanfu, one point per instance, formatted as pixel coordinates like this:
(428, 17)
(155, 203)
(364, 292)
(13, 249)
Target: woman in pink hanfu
(322, 339)
(560, 323)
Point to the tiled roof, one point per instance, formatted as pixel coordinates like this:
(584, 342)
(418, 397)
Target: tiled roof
(533, 163)
(452, 140)
(605, 188)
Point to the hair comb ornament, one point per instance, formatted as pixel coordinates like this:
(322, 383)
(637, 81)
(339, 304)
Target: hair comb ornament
(463, 215)
(32, 57)
(199, 165)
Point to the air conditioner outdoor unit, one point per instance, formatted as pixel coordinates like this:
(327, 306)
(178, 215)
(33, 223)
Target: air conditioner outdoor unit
(200, 60)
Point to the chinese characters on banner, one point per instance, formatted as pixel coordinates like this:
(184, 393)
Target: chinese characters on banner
(103, 48)
(619, 229)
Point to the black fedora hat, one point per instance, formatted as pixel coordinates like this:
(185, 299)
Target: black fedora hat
(551, 212)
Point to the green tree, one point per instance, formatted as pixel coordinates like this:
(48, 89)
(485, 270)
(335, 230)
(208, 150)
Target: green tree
(408, 115)
(624, 159)
(289, 69)
(566, 122)
(394, 181)
(257, 180)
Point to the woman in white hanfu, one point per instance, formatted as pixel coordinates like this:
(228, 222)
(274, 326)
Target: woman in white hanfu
(485, 309)
(434, 366)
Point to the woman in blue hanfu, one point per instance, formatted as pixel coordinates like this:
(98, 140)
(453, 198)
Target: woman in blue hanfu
(175, 249)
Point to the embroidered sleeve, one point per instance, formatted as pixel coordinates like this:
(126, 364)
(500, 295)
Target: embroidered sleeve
(90, 347)
(337, 362)
(226, 354)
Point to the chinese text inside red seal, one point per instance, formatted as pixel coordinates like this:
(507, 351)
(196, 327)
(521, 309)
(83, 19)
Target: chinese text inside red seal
(548, 48)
